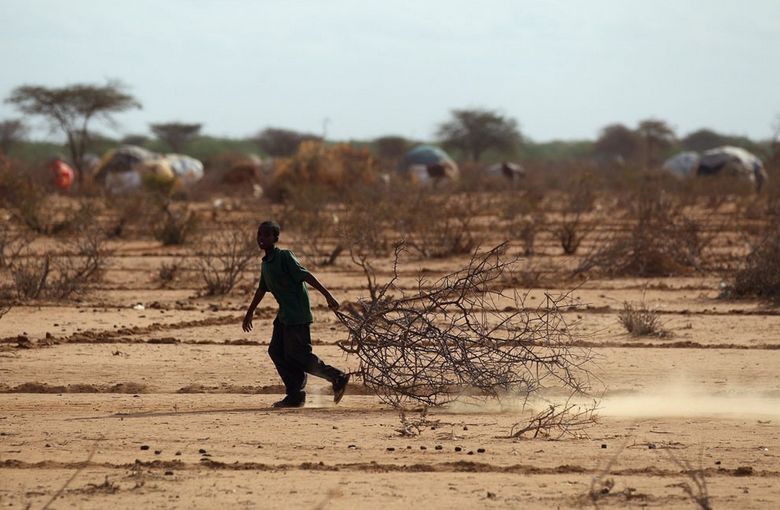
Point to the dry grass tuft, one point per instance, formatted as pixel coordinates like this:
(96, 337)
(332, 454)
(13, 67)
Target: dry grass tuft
(639, 320)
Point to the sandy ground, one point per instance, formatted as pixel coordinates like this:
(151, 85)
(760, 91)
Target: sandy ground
(104, 404)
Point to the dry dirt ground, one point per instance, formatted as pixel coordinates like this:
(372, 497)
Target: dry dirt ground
(108, 404)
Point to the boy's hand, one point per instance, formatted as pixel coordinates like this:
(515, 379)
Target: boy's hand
(332, 303)
(247, 325)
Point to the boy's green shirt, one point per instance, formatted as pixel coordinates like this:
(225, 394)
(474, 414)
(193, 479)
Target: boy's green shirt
(282, 275)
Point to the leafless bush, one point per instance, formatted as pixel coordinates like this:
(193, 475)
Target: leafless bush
(12, 243)
(557, 421)
(230, 251)
(308, 212)
(760, 275)
(168, 271)
(697, 489)
(411, 427)
(30, 276)
(364, 226)
(438, 225)
(571, 232)
(639, 320)
(128, 211)
(38, 212)
(460, 334)
(661, 241)
(523, 217)
(56, 276)
(177, 226)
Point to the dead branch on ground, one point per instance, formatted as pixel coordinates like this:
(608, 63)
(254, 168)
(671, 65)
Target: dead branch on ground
(463, 333)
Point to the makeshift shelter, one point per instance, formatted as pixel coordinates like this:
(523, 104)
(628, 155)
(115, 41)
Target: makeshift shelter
(62, 174)
(735, 162)
(683, 165)
(128, 167)
(427, 162)
(187, 170)
(507, 170)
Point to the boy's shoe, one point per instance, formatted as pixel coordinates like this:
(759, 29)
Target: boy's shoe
(290, 401)
(339, 387)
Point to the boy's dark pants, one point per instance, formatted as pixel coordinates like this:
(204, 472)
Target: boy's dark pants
(291, 352)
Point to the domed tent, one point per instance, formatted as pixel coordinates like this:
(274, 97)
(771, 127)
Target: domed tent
(187, 169)
(682, 165)
(732, 161)
(507, 170)
(428, 162)
(128, 167)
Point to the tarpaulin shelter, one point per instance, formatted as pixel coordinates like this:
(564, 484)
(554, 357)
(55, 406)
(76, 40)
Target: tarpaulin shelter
(683, 164)
(62, 174)
(128, 167)
(427, 162)
(732, 161)
(506, 169)
(186, 168)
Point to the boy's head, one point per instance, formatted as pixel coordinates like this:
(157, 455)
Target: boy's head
(268, 234)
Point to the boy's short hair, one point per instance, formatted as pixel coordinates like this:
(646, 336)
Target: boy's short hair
(270, 225)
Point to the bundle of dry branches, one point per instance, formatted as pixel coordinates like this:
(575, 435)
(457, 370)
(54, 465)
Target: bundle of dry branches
(461, 334)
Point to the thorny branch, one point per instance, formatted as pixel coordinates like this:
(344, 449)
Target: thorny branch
(461, 334)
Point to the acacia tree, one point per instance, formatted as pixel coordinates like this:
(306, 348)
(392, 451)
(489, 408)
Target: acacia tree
(391, 148)
(11, 132)
(281, 143)
(176, 134)
(477, 130)
(657, 137)
(617, 142)
(71, 108)
(702, 140)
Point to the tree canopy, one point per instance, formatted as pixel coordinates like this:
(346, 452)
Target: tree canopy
(176, 134)
(475, 131)
(617, 143)
(71, 108)
(11, 132)
(280, 143)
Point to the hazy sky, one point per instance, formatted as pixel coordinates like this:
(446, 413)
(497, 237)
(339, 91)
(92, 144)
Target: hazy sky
(563, 69)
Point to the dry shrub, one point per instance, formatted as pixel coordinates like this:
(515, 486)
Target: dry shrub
(30, 204)
(128, 211)
(578, 201)
(697, 490)
(760, 275)
(336, 168)
(461, 334)
(522, 216)
(660, 241)
(438, 225)
(168, 272)
(60, 276)
(365, 225)
(12, 243)
(308, 213)
(558, 421)
(177, 225)
(230, 251)
(639, 320)
(571, 232)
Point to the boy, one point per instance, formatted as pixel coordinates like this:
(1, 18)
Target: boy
(290, 349)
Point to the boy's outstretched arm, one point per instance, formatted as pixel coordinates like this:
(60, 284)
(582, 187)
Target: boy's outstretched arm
(259, 293)
(314, 282)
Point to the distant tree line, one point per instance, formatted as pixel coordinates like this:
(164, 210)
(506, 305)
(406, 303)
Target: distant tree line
(473, 134)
